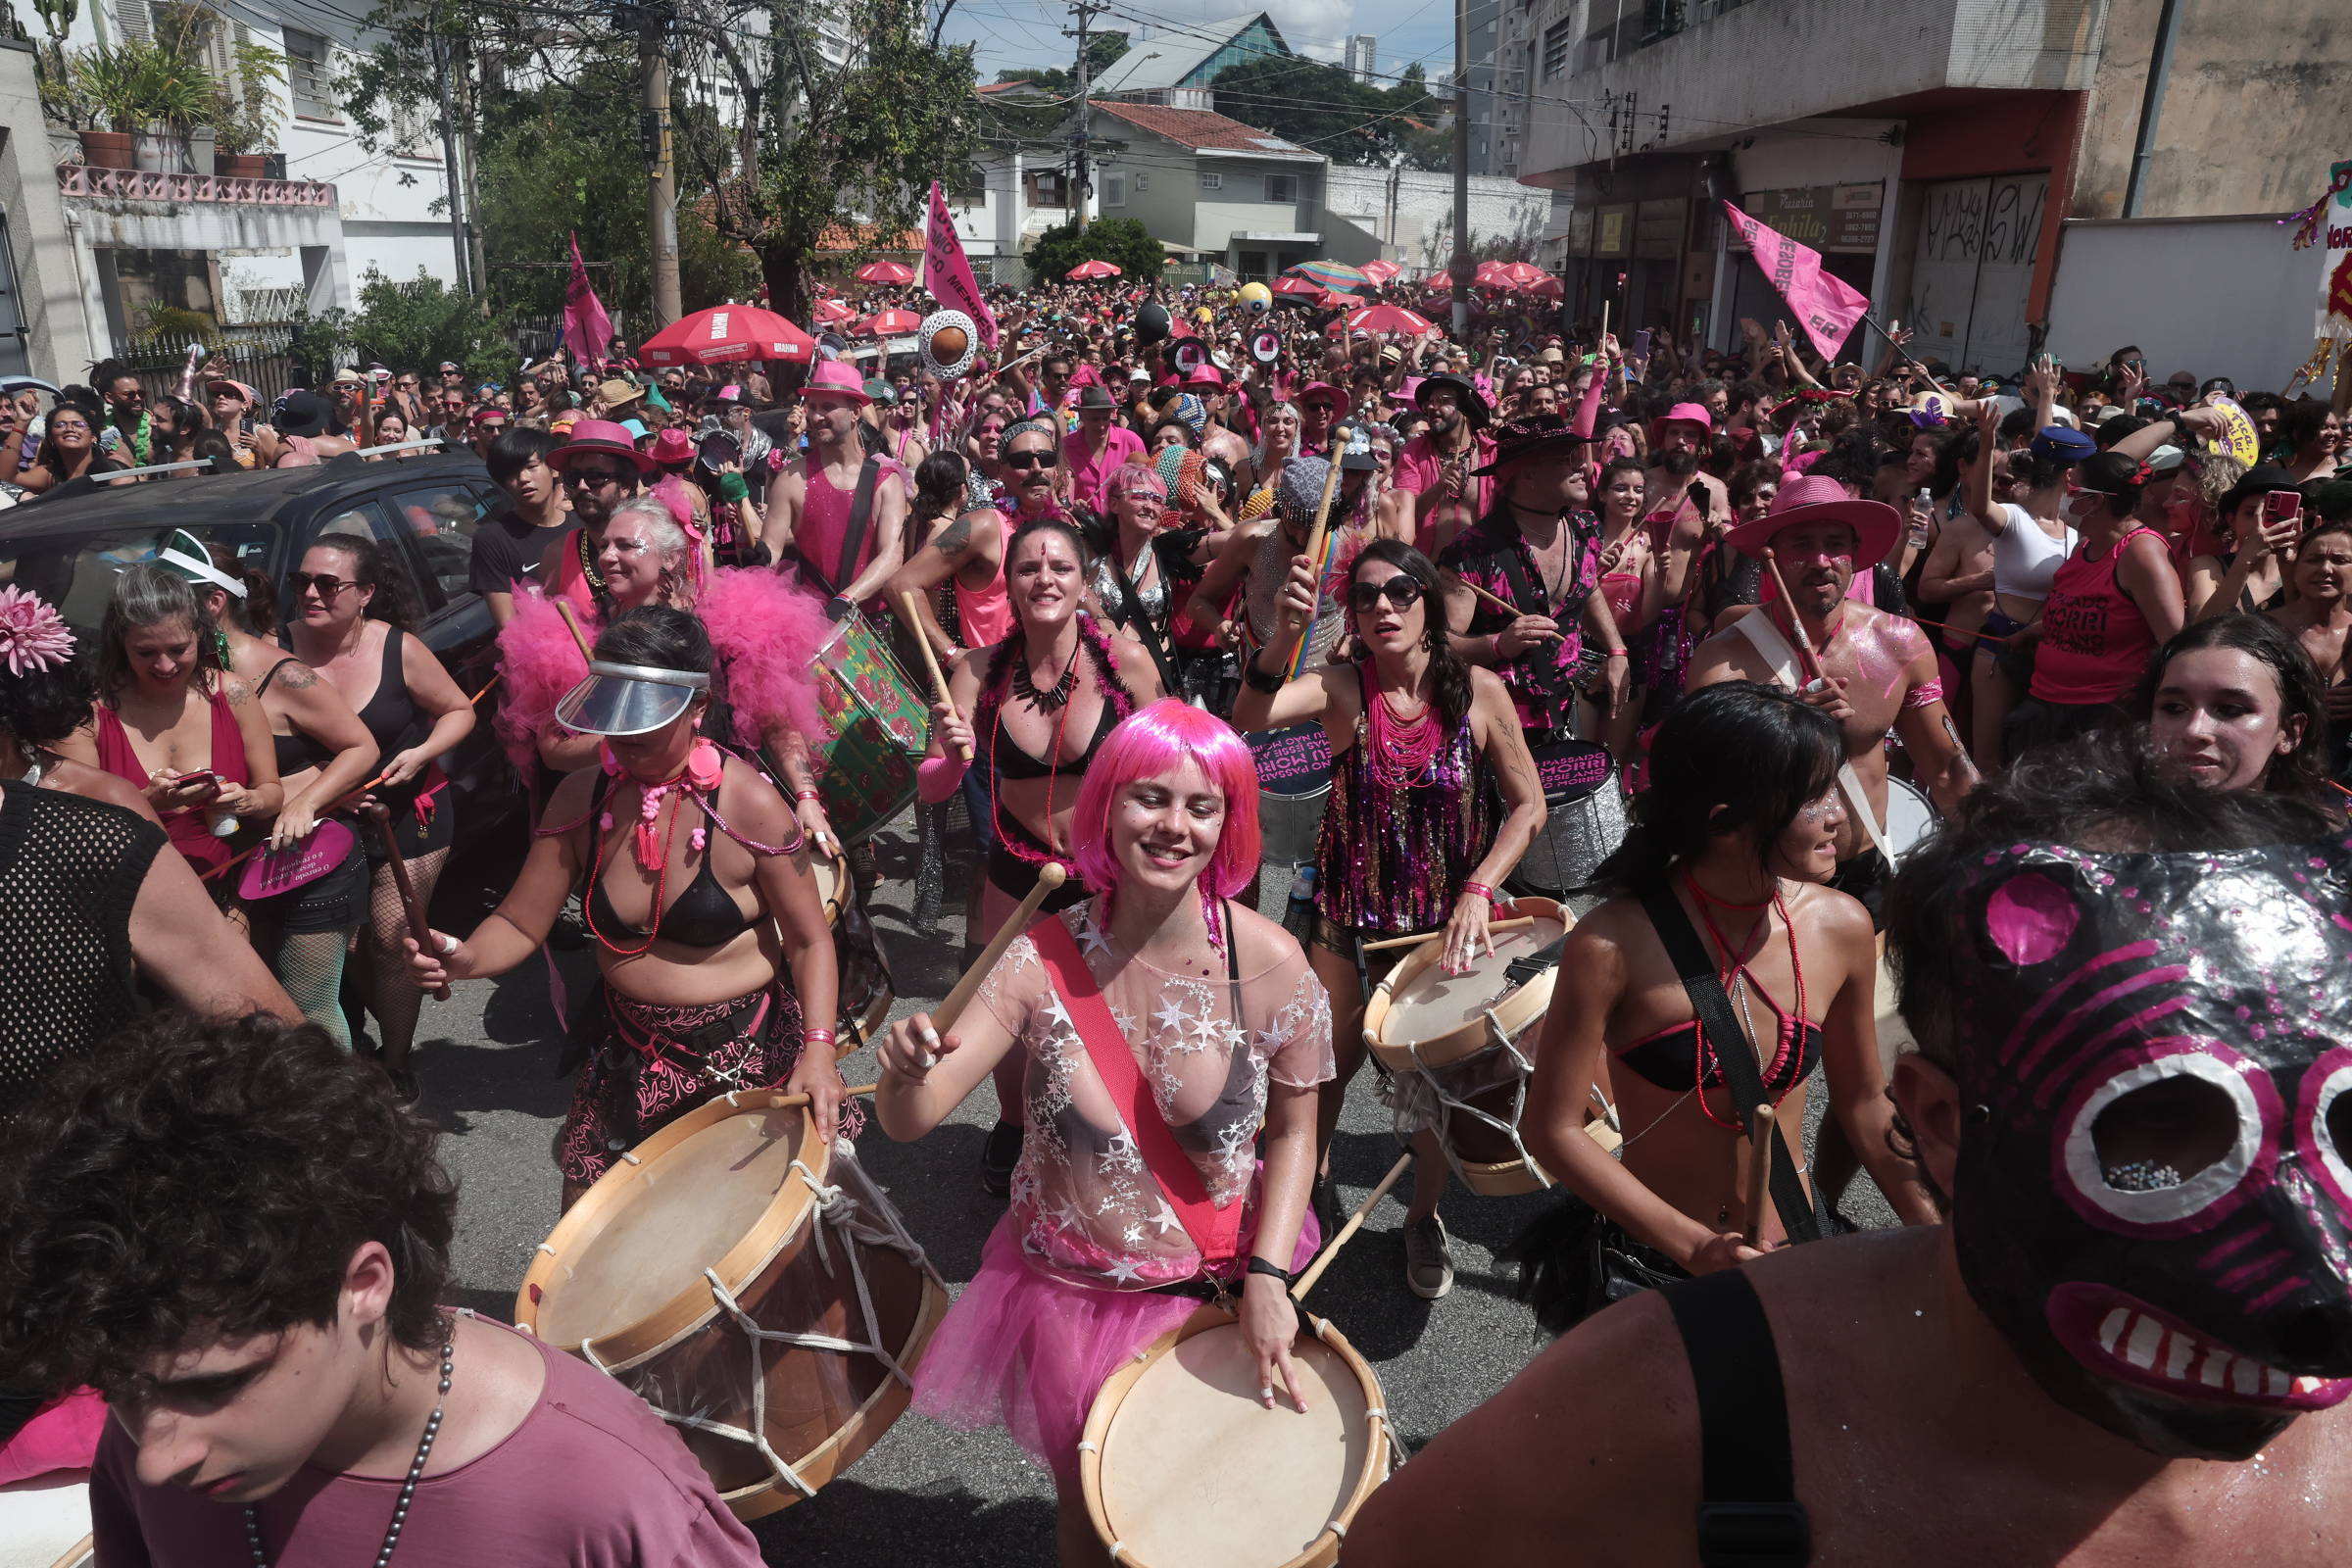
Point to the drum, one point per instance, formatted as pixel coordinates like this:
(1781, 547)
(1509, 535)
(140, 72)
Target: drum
(735, 1211)
(1179, 1427)
(1584, 819)
(879, 727)
(1910, 816)
(866, 991)
(45, 1522)
(1293, 783)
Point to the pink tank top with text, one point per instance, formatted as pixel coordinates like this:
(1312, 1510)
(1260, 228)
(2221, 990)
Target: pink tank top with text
(2094, 641)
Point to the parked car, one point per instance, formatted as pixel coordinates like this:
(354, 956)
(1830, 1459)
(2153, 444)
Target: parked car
(69, 548)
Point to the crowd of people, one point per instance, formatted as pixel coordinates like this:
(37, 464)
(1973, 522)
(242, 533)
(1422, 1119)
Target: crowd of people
(2037, 685)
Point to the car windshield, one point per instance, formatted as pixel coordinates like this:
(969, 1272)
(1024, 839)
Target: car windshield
(75, 570)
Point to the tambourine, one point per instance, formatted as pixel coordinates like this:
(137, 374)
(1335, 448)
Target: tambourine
(1266, 347)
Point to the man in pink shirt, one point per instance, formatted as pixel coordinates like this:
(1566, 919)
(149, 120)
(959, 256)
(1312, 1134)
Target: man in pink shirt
(238, 1237)
(1435, 465)
(1097, 448)
(823, 516)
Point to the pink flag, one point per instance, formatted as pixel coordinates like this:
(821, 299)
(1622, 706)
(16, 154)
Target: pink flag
(1829, 306)
(947, 276)
(586, 326)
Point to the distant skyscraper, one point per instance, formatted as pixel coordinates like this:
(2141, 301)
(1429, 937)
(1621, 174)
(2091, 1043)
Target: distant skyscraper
(1360, 48)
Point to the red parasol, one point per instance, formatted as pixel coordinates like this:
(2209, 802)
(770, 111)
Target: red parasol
(1088, 272)
(1382, 271)
(1294, 286)
(885, 272)
(887, 323)
(726, 335)
(1390, 319)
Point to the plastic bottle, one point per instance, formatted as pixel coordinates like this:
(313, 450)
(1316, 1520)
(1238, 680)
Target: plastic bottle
(1298, 915)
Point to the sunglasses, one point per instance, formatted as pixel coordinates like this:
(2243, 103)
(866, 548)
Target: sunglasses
(1028, 459)
(1402, 591)
(327, 583)
(1144, 497)
(593, 478)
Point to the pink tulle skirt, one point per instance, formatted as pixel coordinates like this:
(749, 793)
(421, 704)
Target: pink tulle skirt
(1027, 1352)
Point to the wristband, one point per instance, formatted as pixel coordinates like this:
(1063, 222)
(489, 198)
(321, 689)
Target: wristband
(807, 795)
(1259, 1265)
(1616, 653)
(1259, 680)
(1482, 891)
(811, 1037)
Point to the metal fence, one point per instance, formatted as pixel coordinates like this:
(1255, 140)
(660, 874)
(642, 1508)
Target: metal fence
(257, 355)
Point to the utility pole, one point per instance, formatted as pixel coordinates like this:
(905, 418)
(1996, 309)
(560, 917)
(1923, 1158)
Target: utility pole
(1085, 11)
(452, 180)
(468, 166)
(662, 184)
(1463, 267)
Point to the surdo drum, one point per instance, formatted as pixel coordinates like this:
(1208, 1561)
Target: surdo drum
(866, 994)
(753, 1286)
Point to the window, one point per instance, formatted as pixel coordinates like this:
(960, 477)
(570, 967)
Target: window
(310, 75)
(1282, 187)
(1557, 40)
(1114, 190)
(1210, 180)
(1049, 184)
(440, 524)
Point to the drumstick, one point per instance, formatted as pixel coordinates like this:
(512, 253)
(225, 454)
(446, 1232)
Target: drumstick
(1385, 943)
(1804, 644)
(939, 680)
(418, 927)
(1495, 599)
(787, 1102)
(1050, 876)
(571, 623)
(1315, 535)
(1355, 1222)
(1759, 1173)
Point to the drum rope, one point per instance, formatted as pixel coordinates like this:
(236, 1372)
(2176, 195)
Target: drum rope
(1448, 1104)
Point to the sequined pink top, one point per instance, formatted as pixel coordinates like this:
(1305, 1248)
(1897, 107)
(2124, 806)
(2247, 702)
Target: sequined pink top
(1085, 1208)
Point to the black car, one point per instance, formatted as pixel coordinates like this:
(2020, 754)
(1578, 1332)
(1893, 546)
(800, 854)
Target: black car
(68, 546)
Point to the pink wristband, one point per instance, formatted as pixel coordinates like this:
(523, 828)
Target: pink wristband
(1482, 891)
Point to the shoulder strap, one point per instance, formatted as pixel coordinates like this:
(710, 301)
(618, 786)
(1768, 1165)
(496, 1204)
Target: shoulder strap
(1713, 1010)
(861, 521)
(1215, 1231)
(1137, 619)
(1748, 1515)
(1542, 675)
(272, 674)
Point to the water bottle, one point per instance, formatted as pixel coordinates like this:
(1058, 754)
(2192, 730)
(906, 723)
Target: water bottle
(220, 824)
(1298, 915)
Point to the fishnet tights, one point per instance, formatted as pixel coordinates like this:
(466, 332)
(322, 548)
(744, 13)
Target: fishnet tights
(382, 978)
(309, 965)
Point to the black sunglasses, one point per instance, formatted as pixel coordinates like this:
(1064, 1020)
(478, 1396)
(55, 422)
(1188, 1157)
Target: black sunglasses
(593, 478)
(1402, 591)
(327, 582)
(1028, 459)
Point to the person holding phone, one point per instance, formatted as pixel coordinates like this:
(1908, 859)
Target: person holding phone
(2262, 514)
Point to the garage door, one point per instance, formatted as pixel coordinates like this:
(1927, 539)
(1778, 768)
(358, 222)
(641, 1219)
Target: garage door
(1978, 240)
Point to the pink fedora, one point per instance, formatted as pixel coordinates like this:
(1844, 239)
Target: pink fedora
(833, 379)
(1814, 499)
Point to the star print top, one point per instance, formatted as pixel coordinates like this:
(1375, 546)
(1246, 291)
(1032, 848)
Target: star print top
(1084, 1208)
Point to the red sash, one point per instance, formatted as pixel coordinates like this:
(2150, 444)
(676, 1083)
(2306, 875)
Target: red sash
(1217, 1231)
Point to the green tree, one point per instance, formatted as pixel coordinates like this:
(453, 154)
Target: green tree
(1121, 240)
(1322, 107)
(407, 325)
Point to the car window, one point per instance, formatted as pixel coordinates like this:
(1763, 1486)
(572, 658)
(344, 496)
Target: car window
(439, 522)
(76, 570)
(366, 519)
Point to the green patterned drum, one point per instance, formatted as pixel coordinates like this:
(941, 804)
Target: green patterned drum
(880, 727)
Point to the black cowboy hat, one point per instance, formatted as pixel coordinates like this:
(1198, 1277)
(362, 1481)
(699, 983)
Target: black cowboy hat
(1538, 435)
(1465, 398)
(304, 412)
(1093, 394)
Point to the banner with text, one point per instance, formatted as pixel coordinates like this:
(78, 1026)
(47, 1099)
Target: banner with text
(2335, 249)
(947, 275)
(1827, 307)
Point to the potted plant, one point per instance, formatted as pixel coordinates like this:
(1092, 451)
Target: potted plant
(244, 118)
(149, 93)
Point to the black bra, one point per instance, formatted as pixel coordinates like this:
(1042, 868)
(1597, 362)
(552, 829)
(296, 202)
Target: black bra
(704, 915)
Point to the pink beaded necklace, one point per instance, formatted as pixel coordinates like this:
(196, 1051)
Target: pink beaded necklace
(1403, 750)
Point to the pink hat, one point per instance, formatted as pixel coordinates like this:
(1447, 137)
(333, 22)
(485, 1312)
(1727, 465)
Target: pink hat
(673, 448)
(833, 379)
(1817, 499)
(1689, 413)
(1207, 376)
(600, 436)
(1325, 392)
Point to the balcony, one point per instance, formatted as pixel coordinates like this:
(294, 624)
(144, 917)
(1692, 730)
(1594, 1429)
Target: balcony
(142, 185)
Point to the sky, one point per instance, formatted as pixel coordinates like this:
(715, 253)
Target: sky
(1015, 34)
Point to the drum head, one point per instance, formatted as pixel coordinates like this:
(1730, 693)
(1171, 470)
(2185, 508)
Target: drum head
(1292, 763)
(1910, 816)
(1191, 1430)
(660, 1224)
(1430, 1003)
(44, 1525)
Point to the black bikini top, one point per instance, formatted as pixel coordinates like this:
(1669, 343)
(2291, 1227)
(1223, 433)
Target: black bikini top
(704, 915)
(1011, 761)
(1678, 1057)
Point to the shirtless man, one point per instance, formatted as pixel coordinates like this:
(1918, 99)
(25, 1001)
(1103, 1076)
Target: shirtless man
(2127, 1347)
(1438, 465)
(1677, 443)
(812, 503)
(1880, 673)
(1218, 439)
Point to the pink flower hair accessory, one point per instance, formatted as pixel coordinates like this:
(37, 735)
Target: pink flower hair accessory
(34, 636)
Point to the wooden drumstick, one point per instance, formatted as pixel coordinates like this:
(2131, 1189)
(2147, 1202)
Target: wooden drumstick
(1804, 643)
(1053, 874)
(939, 679)
(1315, 535)
(1495, 599)
(1385, 943)
(1355, 1222)
(418, 927)
(1759, 1173)
(571, 623)
(787, 1102)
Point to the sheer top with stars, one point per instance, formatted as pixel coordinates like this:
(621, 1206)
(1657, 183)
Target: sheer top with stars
(1083, 1205)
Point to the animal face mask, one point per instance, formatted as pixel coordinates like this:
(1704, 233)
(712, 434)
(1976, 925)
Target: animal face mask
(2152, 1191)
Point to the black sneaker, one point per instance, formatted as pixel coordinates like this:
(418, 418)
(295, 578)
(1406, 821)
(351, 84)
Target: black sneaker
(1324, 1204)
(998, 1156)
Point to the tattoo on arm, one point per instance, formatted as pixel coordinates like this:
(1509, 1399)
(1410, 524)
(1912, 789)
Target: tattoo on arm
(1964, 766)
(297, 676)
(955, 537)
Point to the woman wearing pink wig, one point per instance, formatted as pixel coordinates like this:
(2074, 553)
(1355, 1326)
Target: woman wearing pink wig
(1158, 1002)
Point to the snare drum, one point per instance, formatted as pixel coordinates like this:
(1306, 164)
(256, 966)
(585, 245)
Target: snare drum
(1179, 1425)
(867, 992)
(45, 1522)
(1584, 819)
(717, 1211)
(1293, 784)
(878, 728)
(1910, 817)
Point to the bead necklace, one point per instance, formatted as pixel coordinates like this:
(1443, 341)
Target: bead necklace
(408, 1488)
(1734, 979)
(1403, 751)
(596, 878)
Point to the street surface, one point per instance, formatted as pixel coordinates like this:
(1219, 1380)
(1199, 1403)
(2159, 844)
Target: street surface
(924, 1492)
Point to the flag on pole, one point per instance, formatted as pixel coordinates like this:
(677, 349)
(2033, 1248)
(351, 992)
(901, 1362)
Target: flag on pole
(586, 326)
(1828, 306)
(947, 276)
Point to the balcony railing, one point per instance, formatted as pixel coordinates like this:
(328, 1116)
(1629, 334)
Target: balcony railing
(143, 185)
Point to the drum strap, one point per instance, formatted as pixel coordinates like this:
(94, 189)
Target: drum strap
(1713, 1010)
(1215, 1231)
(1748, 1514)
(1759, 630)
(853, 535)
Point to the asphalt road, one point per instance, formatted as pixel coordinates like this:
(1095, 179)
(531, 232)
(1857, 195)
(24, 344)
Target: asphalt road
(924, 1492)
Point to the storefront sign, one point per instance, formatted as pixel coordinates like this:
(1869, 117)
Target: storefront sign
(1838, 218)
(1615, 231)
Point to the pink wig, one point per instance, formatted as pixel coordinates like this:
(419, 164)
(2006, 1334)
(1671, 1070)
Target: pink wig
(1157, 740)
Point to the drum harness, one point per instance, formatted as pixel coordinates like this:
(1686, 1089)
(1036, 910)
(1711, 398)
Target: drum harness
(836, 1209)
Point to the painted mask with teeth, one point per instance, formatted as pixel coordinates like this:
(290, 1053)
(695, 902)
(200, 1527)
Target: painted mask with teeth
(2155, 1204)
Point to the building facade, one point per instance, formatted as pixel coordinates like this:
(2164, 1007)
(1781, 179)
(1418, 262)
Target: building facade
(1363, 61)
(1176, 64)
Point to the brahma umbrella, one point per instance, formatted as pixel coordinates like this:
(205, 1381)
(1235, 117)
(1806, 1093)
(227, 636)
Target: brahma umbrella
(885, 272)
(887, 323)
(1383, 272)
(1390, 318)
(728, 334)
(1296, 285)
(1088, 272)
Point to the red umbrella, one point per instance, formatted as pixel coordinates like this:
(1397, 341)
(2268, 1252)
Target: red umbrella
(886, 324)
(1340, 300)
(1390, 319)
(1524, 275)
(725, 334)
(885, 272)
(1382, 271)
(829, 312)
(1294, 286)
(1550, 288)
(1492, 274)
(1088, 272)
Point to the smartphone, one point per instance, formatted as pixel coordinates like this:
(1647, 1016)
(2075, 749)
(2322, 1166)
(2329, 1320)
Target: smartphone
(2281, 506)
(1642, 344)
(202, 775)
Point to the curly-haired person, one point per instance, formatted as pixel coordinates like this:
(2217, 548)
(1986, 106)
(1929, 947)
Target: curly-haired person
(239, 1237)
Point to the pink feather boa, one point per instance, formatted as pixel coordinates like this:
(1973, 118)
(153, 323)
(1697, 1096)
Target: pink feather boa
(765, 628)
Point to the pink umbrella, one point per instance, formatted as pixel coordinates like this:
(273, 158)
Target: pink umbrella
(1294, 286)
(1088, 272)
(1382, 271)
(887, 323)
(1390, 319)
(885, 272)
